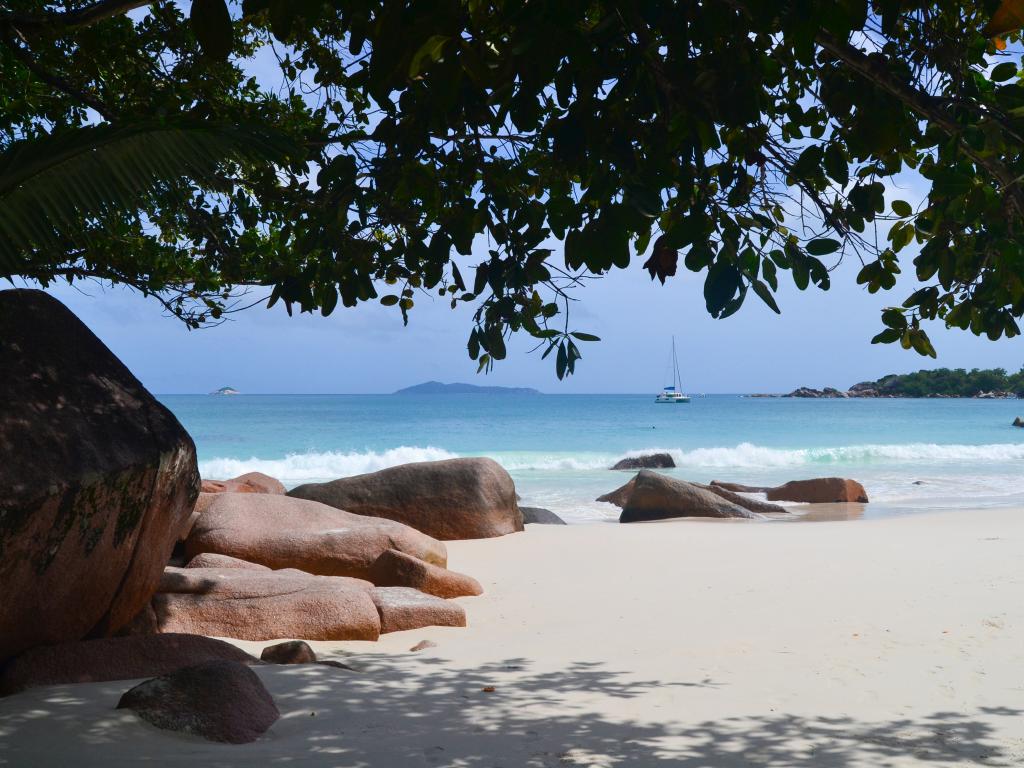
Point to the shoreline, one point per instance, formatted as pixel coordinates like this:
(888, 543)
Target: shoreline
(895, 641)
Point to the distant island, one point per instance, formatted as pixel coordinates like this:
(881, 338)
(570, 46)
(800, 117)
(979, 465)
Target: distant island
(437, 388)
(225, 391)
(986, 384)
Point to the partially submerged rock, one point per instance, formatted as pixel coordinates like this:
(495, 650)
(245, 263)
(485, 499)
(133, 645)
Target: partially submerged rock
(451, 499)
(1018, 422)
(737, 488)
(397, 569)
(754, 505)
(112, 658)
(651, 496)
(402, 608)
(283, 532)
(646, 461)
(820, 490)
(540, 516)
(251, 482)
(289, 652)
(218, 700)
(96, 481)
(253, 605)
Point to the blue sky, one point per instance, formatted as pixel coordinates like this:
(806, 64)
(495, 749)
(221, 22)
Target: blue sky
(821, 339)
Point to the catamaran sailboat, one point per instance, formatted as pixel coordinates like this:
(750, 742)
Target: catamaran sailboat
(673, 393)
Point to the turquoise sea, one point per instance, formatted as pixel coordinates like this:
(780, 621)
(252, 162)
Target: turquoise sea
(911, 455)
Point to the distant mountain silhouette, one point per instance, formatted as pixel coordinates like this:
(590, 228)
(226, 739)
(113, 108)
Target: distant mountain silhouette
(437, 388)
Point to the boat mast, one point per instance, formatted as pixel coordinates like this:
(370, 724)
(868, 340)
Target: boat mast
(678, 380)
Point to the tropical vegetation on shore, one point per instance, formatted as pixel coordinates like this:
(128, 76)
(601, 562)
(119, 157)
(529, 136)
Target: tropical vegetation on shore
(956, 382)
(454, 147)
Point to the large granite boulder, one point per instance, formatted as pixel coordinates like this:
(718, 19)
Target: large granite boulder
(251, 482)
(651, 496)
(112, 658)
(540, 516)
(402, 608)
(646, 461)
(96, 481)
(282, 532)
(218, 700)
(451, 499)
(213, 560)
(397, 569)
(820, 490)
(254, 605)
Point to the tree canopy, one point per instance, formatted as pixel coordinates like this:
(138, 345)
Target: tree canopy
(539, 144)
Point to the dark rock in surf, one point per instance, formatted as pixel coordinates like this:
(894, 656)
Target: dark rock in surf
(647, 461)
(651, 496)
(737, 488)
(540, 516)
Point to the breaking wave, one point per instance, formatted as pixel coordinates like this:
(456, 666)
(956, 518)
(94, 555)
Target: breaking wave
(748, 455)
(308, 467)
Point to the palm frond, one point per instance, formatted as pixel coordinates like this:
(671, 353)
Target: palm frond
(55, 188)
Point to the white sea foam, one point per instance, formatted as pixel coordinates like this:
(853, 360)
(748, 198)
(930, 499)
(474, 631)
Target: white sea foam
(307, 467)
(750, 456)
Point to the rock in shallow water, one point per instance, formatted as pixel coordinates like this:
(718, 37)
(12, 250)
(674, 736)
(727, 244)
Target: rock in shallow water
(112, 658)
(97, 480)
(218, 700)
(647, 461)
(540, 516)
(450, 499)
(650, 496)
(820, 490)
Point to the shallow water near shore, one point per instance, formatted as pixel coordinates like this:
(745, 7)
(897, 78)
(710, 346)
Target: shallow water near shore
(911, 455)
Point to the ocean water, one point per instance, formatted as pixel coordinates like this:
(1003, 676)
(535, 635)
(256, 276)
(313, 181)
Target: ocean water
(911, 455)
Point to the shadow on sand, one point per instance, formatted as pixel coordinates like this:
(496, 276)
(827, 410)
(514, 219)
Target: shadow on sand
(410, 711)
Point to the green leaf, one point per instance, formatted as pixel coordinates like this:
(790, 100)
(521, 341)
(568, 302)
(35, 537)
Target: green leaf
(822, 246)
(1003, 71)
(389, 300)
(836, 164)
(584, 336)
(431, 49)
(766, 296)
(211, 24)
(561, 361)
(902, 208)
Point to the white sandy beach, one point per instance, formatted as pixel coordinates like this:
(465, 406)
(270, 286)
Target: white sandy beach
(699, 644)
